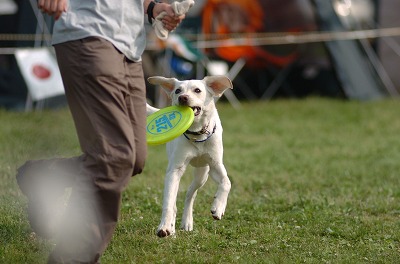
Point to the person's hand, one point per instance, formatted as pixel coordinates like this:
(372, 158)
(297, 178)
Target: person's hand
(170, 20)
(53, 7)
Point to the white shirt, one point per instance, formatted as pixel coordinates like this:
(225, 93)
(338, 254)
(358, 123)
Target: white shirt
(120, 22)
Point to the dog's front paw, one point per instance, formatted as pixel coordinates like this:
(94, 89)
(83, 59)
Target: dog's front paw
(187, 220)
(164, 231)
(218, 210)
(217, 215)
(187, 225)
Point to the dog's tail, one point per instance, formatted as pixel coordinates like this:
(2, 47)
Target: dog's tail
(150, 110)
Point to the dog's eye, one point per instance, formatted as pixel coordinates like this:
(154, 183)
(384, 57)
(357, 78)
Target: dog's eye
(197, 90)
(178, 91)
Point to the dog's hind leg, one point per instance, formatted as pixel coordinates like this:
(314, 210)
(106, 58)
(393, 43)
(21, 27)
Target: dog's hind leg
(220, 176)
(199, 179)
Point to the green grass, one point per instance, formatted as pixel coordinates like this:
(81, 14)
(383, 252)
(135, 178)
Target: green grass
(313, 181)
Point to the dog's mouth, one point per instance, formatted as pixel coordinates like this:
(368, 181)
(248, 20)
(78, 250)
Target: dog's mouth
(196, 110)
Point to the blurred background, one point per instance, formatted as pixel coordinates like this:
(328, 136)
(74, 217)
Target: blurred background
(348, 49)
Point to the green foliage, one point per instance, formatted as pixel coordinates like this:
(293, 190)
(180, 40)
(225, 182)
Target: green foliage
(313, 181)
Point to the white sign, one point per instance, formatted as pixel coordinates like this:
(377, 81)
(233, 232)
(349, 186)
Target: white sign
(40, 71)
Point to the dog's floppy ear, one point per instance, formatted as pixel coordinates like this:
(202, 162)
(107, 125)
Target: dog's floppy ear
(218, 84)
(167, 84)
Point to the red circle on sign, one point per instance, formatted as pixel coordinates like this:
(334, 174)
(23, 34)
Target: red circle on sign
(41, 71)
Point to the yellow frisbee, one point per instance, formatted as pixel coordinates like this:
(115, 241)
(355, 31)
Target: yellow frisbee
(168, 123)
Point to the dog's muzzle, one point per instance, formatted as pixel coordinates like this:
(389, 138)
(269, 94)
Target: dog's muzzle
(184, 100)
(196, 110)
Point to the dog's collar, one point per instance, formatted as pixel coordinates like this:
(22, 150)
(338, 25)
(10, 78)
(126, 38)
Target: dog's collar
(203, 131)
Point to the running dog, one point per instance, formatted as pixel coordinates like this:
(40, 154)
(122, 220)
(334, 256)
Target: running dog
(200, 146)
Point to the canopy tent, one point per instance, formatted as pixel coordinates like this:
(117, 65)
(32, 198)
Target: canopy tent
(357, 75)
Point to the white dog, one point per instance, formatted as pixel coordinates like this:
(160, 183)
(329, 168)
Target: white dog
(200, 146)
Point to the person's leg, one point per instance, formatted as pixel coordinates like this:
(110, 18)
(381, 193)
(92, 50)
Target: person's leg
(98, 89)
(136, 103)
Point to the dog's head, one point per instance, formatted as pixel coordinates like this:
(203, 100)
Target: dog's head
(197, 94)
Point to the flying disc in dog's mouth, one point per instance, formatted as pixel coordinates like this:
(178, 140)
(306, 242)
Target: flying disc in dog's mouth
(196, 110)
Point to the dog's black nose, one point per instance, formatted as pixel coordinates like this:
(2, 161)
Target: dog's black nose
(183, 99)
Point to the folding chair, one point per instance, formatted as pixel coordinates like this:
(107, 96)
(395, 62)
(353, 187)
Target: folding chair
(222, 19)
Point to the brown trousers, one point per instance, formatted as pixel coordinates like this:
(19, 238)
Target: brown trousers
(107, 98)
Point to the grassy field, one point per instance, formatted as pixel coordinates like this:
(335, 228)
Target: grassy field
(313, 181)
